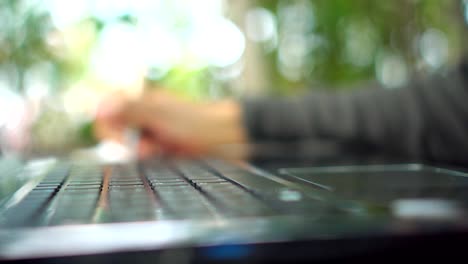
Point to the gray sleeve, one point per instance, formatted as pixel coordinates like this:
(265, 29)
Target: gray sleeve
(427, 119)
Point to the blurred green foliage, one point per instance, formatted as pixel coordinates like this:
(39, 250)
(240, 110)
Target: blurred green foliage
(343, 40)
(369, 27)
(23, 33)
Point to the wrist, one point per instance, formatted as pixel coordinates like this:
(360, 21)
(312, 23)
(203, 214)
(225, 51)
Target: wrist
(233, 139)
(230, 116)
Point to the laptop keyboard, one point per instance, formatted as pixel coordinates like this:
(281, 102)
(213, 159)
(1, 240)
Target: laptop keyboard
(80, 194)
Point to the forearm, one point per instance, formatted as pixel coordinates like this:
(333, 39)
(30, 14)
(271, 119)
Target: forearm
(426, 119)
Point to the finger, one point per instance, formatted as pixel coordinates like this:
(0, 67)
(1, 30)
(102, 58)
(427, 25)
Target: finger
(151, 144)
(107, 129)
(139, 114)
(179, 149)
(148, 148)
(110, 106)
(108, 124)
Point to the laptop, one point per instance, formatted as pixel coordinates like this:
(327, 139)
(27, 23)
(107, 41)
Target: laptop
(56, 210)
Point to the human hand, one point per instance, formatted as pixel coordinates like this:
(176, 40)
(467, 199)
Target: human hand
(173, 126)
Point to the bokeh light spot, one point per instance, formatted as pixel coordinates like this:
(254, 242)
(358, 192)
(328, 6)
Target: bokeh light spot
(220, 42)
(260, 24)
(391, 69)
(434, 48)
